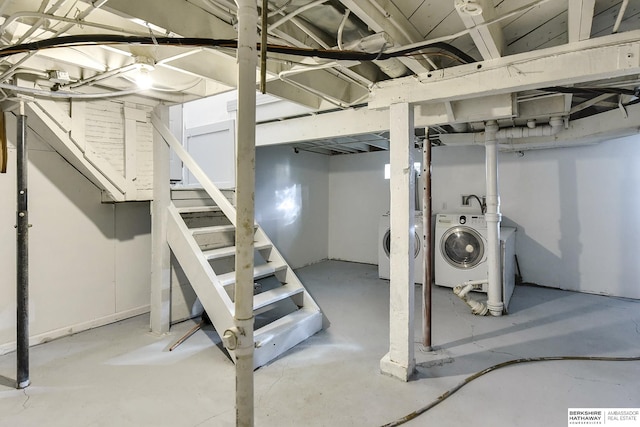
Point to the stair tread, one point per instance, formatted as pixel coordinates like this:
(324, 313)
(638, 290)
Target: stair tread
(212, 229)
(283, 324)
(215, 228)
(259, 271)
(198, 209)
(274, 295)
(228, 251)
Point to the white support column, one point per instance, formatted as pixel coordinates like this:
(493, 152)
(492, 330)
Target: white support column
(160, 252)
(245, 211)
(400, 361)
(493, 217)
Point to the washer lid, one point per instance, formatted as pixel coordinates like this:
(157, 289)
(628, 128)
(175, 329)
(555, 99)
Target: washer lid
(462, 247)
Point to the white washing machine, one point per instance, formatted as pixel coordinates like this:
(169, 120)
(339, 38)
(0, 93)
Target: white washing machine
(460, 252)
(384, 248)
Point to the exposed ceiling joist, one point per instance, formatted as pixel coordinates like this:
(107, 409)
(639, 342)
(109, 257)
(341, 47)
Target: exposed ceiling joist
(187, 20)
(390, 20)
(603, 58)
(488, 38)
(580, 19)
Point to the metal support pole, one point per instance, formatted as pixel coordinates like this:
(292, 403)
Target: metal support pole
(22, 256)
(245, 210)
(428, 243)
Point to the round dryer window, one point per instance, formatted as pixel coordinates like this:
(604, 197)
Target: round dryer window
(462, 247)
(386, 243)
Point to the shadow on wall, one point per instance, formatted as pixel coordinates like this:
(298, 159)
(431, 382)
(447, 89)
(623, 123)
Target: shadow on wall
(568, 264)
(627, 269)
(56, 188)
(563, 270)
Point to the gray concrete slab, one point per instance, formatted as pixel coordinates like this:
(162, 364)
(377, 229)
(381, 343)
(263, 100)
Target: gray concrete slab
(122, 375)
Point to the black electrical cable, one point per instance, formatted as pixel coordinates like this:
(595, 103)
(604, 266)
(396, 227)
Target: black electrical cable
(83, 40)
(590, 90)
(483, 207)
(467, 380)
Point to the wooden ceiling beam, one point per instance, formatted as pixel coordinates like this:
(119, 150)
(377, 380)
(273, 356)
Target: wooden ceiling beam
(488, 38)
(580, 19)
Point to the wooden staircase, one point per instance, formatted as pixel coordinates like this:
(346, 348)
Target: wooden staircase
(202, 239)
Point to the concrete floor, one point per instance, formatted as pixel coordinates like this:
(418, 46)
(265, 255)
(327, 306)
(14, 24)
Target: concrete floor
(122, 375)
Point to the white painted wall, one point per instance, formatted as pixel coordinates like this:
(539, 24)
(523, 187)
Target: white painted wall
(89, 261)
(292, 199)
(292, 193)
(359, 196)
(575, 209)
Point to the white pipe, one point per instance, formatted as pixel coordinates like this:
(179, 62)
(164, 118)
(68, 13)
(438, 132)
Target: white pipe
(464, 32)
(95, 5)
(623, 8)
(284, 76)
(461, 291)
(400, 28)
(493, 217)
(67, 95)
(554, 126)
(73, 21)
(292, 14)
(341, 28)
(245, 210)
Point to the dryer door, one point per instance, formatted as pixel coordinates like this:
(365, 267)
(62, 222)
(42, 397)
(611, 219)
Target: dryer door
(386, 243)
(462, 247)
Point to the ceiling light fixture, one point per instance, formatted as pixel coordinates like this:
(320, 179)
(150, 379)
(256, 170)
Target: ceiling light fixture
(468, 7)
(145, 66)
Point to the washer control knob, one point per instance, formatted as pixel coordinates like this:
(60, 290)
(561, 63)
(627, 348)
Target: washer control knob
(463, 219)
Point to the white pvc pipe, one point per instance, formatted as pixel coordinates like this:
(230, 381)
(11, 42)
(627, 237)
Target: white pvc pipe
(292, 14)
(245, 209)
(461, 291)
(493, 217)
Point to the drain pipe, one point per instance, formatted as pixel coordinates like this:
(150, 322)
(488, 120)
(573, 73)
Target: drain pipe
(477, 307)
(22, 256)
(493, 216)
(241, 336)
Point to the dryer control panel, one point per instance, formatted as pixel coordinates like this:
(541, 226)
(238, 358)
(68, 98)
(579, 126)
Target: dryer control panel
(473, 220)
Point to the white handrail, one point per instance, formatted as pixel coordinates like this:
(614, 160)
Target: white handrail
(214, 192)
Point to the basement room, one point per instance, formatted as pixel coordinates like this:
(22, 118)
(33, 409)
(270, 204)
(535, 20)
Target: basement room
(319, 213)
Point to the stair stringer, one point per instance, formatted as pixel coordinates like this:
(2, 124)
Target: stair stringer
(291, 278)
(203, 279)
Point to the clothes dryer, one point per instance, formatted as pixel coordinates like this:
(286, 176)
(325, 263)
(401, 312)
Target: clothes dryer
(384, 248)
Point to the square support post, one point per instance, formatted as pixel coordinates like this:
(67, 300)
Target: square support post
(400, 361)
(160, 252)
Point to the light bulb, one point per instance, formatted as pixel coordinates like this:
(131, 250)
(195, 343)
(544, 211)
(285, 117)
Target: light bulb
(144, 80)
